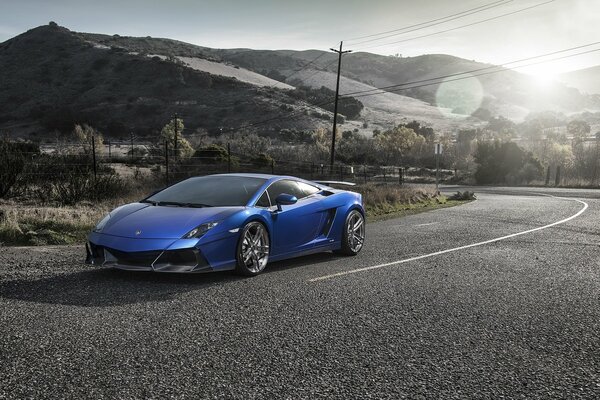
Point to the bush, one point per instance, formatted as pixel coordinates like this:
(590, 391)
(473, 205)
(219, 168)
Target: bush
(348, 106)
(505, 163)
(68, 180)
(262, 160)
(211, 154)
(13, 158)
(462, 196)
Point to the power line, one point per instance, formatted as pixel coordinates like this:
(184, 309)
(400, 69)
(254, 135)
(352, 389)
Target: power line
(471, 76)
(299, 70)
(428, 24)
(461, 26)
(439, 80)
(473, 70)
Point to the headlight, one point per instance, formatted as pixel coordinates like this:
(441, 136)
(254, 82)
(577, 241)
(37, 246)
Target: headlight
(101, 224)
(200, 230)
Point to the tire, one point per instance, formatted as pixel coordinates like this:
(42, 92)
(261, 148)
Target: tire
(353, 236)
(252, 251)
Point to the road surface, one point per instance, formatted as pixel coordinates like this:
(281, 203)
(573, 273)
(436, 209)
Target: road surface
(496, 298)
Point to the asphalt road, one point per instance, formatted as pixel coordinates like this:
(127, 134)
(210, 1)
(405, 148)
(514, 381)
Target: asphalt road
(515, 318)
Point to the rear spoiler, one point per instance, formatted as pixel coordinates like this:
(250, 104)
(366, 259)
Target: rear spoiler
(327, 183)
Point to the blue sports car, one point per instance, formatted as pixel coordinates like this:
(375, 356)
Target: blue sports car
(228, 222)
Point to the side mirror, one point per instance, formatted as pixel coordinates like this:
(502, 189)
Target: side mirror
(285, 200)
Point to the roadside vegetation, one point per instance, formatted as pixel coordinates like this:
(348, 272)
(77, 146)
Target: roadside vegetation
(37, 223)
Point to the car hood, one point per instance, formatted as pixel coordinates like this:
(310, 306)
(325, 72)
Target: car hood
(145, 221)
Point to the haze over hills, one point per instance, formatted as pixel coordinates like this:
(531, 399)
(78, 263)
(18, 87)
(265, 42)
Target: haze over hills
(587, 80)
(53, 77)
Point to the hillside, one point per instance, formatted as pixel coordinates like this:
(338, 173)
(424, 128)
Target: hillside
(509, 93)
(53, 78)
(585, 80)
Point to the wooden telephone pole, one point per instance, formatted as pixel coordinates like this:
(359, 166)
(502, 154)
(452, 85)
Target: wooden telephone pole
(335, 107)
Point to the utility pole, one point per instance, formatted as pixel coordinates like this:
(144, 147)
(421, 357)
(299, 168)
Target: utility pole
(438, 152)
(335, 107)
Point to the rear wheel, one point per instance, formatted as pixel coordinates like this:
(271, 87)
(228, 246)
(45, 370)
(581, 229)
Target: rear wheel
(252, 252)
(353, 237)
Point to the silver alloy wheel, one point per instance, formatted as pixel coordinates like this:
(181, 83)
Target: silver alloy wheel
(254, 251)
(355, 231)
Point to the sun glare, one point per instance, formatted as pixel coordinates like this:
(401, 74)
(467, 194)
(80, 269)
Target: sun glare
(543, 75)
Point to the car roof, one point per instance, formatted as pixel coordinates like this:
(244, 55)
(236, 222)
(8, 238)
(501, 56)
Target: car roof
(268, 177)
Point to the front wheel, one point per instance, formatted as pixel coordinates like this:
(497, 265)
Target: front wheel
(252, 252)
(353, 237)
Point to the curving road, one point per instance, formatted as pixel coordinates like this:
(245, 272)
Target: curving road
(448, 312)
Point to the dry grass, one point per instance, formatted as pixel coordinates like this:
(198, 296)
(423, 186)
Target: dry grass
(31, 224)
(34, 224)
(383, 201)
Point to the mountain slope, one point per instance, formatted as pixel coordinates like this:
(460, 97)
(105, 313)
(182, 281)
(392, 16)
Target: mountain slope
(509, 93)
(53, 78)
(586, 80)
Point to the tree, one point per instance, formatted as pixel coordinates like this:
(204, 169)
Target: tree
(392, 144)
(172, 132)
(502, 126)
(505, 162)
(578, 130)
(85, 135)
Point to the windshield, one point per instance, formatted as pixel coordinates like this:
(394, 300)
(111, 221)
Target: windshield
(209, 191)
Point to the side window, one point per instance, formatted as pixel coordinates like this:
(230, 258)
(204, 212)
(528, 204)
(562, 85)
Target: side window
(307, 189)
(284, 186)
(263, 201)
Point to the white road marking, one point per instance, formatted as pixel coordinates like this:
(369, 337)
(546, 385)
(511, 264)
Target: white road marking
(437, 253)
(427, 224)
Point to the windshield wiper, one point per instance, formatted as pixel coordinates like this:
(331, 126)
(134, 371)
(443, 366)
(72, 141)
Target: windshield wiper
(176, 204)
(196, 205)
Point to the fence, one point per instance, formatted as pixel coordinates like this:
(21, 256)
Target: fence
(165, 162)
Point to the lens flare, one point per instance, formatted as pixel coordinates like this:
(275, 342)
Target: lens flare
(459, 98)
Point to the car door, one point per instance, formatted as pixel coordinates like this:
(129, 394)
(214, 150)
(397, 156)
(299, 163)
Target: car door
(296, 226)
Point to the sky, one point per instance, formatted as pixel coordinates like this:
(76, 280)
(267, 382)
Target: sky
(321, 24)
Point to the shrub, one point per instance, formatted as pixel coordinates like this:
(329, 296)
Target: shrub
(13, 158)
(505, 163)
(466, 195)
(68, 180)
(211, 154)
(262, 160)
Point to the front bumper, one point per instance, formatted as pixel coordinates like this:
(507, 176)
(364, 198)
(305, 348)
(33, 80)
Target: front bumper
(178, 260)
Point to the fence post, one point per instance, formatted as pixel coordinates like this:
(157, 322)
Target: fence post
(109, 152)
(365, 173)
(228, 158)
(384, 177)
(557, 178)
(312, 167)
(548, 176)
(400, 175)
(341, 172)
(167, 162)
(94, 157)
(131, 137)
(272, 167)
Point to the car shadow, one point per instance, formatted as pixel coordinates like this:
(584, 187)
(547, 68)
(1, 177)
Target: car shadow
(106, 287)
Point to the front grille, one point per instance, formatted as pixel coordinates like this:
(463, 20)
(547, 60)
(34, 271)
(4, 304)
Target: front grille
(135, 259)
(182, 260)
